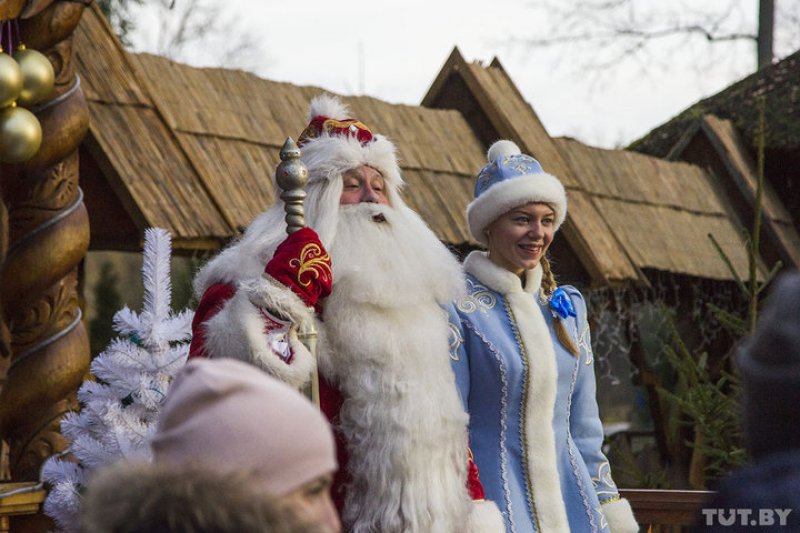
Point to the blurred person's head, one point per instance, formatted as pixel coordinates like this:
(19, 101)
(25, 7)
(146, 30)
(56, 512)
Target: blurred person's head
(232, 418)
(769, 364)
(147, 498)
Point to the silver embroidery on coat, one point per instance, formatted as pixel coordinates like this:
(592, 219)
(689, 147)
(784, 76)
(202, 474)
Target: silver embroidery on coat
(478, 298)
(503, 415)
(571, 449)
(456, 340)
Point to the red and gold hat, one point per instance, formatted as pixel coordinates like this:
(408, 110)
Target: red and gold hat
(335, 142)
(347, 127)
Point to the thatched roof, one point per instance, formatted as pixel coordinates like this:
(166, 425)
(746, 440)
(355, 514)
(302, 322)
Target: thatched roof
(628, 212)
(779, 84)
(720, 133)
(717, 145)
(661, 211)
(192, 150)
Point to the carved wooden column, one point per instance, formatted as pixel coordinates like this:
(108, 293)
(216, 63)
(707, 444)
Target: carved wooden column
(48, 236)
(5, 335)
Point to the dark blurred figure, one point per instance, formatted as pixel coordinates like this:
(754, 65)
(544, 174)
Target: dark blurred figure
(765, 495)
(147, 498)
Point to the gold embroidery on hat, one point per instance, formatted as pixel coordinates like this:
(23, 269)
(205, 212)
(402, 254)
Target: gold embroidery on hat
(332, 124)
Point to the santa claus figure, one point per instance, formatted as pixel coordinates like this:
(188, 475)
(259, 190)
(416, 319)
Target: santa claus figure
(372, 278)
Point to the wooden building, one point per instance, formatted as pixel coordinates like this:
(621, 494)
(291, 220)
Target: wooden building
(721, 135)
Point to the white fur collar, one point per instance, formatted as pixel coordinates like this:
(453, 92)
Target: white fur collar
(498, 278)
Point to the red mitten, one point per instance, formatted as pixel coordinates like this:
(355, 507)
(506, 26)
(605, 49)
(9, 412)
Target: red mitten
(474, 485)
(302, 264)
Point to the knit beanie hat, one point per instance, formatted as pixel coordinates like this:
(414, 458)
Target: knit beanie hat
(769, 363)
(231, 417)
(511, 179)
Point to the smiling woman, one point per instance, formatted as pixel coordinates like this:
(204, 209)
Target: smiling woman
(523, 361)
(519, 239)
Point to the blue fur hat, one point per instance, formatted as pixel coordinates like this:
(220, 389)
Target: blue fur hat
(509, 180)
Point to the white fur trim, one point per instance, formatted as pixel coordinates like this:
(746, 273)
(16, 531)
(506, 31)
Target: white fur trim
(485, 517)
(329, 156)
(328, 105)
(542, 380)
(237, 331)
(619, 516)
(502, 149)
(245, 258)
(269, 293)
(506, 195)
(499, 279)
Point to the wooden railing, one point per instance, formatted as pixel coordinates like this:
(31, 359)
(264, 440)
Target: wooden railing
(665, 507)
(23, 498)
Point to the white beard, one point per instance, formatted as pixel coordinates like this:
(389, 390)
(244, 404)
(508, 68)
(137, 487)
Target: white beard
(394, 263)
(385, 344)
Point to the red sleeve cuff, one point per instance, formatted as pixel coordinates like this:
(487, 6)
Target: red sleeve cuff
(302, 264)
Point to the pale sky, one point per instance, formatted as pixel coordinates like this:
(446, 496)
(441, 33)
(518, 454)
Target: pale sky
(394, 50)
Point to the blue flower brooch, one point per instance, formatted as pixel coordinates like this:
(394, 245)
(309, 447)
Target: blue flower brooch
(561, 304)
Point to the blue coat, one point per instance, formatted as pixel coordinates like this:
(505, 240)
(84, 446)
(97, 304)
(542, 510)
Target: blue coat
(534, 426)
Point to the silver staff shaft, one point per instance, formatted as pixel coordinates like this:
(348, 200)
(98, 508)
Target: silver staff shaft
(292, 176)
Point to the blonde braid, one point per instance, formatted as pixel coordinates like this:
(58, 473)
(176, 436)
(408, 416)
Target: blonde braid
(549, 286)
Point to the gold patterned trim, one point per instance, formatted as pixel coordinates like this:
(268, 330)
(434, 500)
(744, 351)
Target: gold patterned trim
(611, 500)
(526, 367)
(314, 262)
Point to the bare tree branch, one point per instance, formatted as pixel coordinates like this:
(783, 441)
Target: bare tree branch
(605, 33)
(693, 28)
(198, 31)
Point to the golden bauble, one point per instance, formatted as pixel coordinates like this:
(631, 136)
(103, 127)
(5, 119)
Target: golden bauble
(20, 134)
(38, 76)
(10, 80)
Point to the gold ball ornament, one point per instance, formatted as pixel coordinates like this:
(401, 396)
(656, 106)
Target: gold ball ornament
(20, 134)
(10, 79)
(38, 76)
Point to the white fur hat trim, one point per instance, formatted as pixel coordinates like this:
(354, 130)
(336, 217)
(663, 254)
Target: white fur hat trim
(504, 193)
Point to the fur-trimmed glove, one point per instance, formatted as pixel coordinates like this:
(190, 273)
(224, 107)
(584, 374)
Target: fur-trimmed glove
(302, 264)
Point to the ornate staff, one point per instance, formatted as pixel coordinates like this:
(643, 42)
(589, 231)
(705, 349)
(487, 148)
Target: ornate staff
(292, 176)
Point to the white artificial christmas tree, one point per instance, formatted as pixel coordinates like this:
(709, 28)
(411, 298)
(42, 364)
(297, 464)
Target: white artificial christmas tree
(120, 410)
